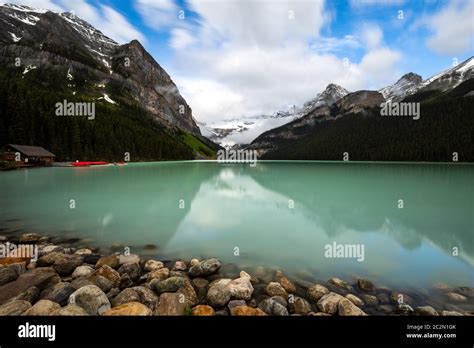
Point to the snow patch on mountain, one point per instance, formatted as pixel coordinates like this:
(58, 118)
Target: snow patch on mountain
(14, 37)
(28, 69)
(402, 87)
(107, 99)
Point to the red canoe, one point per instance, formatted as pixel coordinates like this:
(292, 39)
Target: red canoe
(86, 164)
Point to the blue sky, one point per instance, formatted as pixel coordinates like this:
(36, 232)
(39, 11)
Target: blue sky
(235, 58)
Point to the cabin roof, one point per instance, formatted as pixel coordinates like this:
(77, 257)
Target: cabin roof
(34, 151)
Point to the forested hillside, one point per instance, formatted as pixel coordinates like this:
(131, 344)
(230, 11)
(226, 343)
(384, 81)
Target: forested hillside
(445, 126)
(27, 116)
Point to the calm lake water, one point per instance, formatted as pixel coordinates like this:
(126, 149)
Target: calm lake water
(205, 209)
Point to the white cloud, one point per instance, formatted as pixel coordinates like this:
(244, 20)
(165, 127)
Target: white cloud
(251, 58)
(115, 25)
(181, 38)
(372, 35)
(158, 14)
(334, 44)
(452, 28)
(265, 23)
(105, 18)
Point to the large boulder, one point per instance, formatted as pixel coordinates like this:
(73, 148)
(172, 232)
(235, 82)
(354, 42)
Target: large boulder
(125, 296)
(109, 273)
(58, 293)
(299, 305)
(160, 274)
(274, 306)
(112, 261)
(24, 282)
(131, 269)
(329, 303)
(317, 291)
(93, 300)
(347, 308)
(152, 265)
(171, 284)
(219, 294)
(82, 271)
(170, 304)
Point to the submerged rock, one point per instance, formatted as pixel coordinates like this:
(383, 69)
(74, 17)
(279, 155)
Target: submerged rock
(452, 296)
(339, 283)
(370, 300)
(466, 291)
(286, 283)
(28, 238)
(365, 285)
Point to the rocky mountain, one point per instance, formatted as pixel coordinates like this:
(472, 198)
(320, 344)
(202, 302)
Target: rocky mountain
(411, 83)
(354, 124)
(352, 103)
(449, 78)
(237, 132)
(407, 84)
(94, 67)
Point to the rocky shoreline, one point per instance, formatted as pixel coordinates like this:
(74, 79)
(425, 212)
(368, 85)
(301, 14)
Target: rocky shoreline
(70, 281)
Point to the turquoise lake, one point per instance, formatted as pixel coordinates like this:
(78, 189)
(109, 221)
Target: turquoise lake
(277, 214)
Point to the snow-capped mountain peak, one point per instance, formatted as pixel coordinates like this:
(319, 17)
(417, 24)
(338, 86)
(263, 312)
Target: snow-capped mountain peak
(411, 83)
(402, 87)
